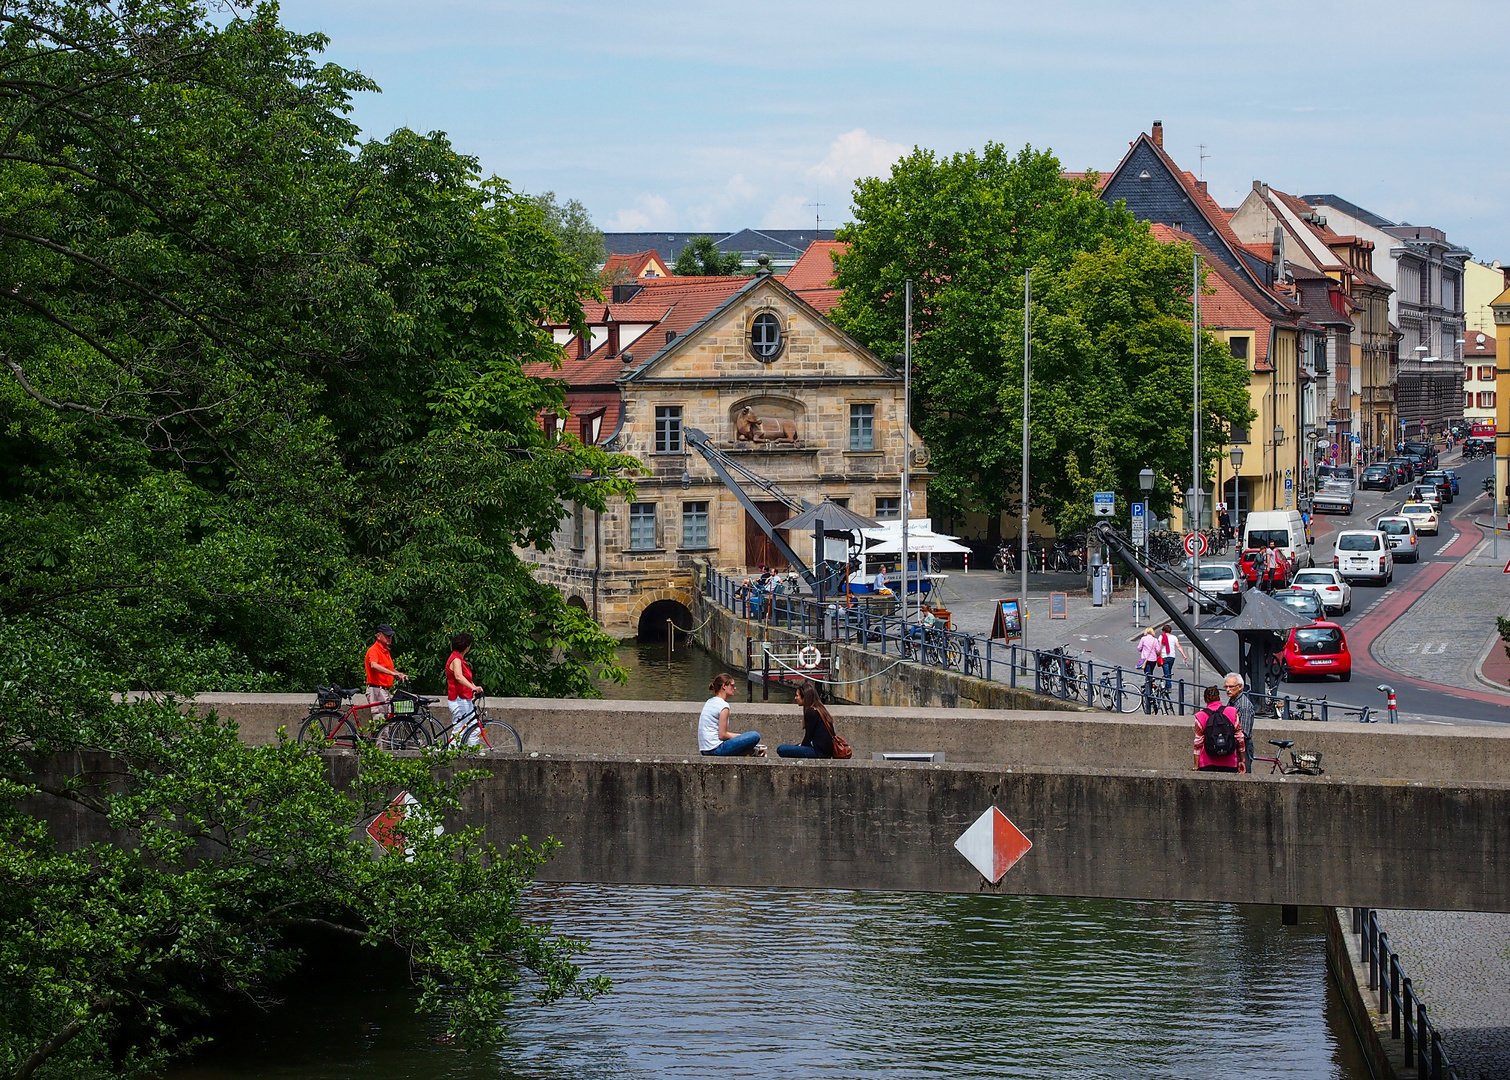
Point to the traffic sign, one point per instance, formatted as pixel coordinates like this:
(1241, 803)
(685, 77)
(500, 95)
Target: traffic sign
(1507, 568)
(993, 844)
(1195, 544)
(1105, 503)
(1138, 524)
(384, 829)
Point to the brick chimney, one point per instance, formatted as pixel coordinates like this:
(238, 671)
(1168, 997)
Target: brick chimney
(1158, 134)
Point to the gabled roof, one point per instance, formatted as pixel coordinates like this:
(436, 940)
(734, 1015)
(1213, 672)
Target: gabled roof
(1353, 210)
(778, 242)
(815, 269)
(1314, 293)
(1480, 345)
(635, 264)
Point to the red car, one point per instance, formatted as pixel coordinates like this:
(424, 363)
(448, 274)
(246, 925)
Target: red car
(1248, 563)
(1318, 649)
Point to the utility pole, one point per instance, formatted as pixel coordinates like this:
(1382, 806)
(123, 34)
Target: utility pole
(1027, 363)
(906, 440)
(1195, 445)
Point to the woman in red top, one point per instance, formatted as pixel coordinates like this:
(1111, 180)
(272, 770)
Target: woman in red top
(460, 689)
(1232, 762)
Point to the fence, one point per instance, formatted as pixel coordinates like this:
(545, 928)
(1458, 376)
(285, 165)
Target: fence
(1407, 1012)
(1055, 672)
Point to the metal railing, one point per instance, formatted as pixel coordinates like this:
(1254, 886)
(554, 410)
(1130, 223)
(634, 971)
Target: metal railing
(1053, 672)
(1407, 1012)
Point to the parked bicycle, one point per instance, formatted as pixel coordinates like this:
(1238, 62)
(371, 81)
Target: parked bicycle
(1302, 762)
(405, 728)
(1059, 674)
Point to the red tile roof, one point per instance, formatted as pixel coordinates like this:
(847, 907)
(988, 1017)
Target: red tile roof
(815, 268)
(822, 300)
(632, 266)
(1475, 350)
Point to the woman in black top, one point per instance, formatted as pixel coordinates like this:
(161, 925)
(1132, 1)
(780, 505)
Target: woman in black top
(817, 727)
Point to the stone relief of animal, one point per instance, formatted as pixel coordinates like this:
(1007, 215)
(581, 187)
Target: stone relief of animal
(750, 428)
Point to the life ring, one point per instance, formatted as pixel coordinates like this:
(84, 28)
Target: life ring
(809, 657)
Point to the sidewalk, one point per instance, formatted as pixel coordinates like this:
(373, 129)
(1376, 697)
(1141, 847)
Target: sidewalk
(1447, 633)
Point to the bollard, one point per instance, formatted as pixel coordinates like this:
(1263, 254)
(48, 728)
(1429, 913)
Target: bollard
(670, 639)
(967, 562)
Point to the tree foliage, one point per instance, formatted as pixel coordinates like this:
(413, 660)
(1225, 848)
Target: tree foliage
(1111, 374)
(580, 239)
(262, 386)
(701, 257)
(222, 861)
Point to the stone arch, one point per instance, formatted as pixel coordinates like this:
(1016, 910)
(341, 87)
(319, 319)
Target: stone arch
(654, 608)
(576, 602)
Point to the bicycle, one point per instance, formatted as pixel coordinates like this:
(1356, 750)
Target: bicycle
(1059, 674)
(481, 733)
(1155, 698)
(1113, 699)
(1302, 762)
(403, 729)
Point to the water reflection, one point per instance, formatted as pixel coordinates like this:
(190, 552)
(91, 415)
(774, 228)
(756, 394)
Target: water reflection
(652, 677)
(794, 983)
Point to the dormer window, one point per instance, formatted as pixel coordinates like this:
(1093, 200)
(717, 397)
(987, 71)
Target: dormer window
(766, 337)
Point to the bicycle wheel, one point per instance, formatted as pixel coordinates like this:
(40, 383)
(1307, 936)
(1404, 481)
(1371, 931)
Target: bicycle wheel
(324, 728)
(492, 735)
(973, 664)
(954, 654)
(404, 733)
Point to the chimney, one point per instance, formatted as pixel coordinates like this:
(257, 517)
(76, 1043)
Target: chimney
(582, 340)
(613, 339)
(1158, 134)
(1201, 186)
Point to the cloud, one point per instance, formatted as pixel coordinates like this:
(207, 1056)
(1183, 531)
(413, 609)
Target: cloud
(789, 212)
(856, 154)
(649, 212)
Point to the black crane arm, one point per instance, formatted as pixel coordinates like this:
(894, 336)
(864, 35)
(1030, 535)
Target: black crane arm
(1108, 535)
(724, 467)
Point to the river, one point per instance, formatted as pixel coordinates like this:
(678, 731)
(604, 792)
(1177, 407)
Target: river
(793, 984)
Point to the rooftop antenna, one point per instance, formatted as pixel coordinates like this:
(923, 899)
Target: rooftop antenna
(817, 220)
(1204, 156)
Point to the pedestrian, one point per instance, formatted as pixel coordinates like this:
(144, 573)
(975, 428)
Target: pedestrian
(1148, 656)
(878, 583)
(1238, 698)
(1169, 645)
(461, 691)
(1271, 566)
(713, 734)
(381, 673)
(1218, 735)
(817, 727)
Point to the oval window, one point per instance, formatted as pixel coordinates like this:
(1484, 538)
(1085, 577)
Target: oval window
(765, 337)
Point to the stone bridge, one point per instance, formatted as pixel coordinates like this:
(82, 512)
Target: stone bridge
(1407, 816)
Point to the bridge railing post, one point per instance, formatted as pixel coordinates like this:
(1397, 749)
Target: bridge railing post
(1394, 997)
(1407, 1007)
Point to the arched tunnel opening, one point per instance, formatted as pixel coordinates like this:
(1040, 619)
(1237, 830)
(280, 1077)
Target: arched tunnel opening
(653, 620)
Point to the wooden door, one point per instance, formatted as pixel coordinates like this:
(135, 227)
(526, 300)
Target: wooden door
(759, 551)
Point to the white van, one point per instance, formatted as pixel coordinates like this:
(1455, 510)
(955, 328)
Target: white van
(1285, 528)
(1363, 553)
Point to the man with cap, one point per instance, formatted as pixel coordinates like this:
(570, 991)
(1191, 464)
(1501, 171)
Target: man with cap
(381, 672)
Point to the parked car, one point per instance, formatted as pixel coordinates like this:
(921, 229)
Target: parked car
(1426, 493)
(1423, 516)
(1378, 478)
(1303, 602)
(1329, 586)
(1319, 649)
(1283, 528)
(1363, 553)
(1421, 448)
(1400, 533)
(1452, 474)
(1403, 472)
(1222, 584)
(1442, 481)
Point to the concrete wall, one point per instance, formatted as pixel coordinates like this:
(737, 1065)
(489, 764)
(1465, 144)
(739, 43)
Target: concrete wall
(873, 826)
(1008, 738)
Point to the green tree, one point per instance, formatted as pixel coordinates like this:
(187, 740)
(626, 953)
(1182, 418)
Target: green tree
(216, 863)
(701, 257)
(578, 237)
(1108, 305)
(263, 387)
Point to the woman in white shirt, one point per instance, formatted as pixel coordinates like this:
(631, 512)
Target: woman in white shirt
(713, 734)
(1168, 646)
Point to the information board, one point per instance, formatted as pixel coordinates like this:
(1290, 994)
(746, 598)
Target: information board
(1105, 503)
(1008, 621)
(1138, 524)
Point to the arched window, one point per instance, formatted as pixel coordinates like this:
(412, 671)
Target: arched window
(766, 337)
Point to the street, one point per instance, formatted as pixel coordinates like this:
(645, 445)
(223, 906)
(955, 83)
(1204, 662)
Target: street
(1423, 634)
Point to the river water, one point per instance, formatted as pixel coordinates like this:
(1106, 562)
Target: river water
(767, 983)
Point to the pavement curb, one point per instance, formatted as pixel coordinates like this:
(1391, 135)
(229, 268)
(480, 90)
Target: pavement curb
(1478, 668)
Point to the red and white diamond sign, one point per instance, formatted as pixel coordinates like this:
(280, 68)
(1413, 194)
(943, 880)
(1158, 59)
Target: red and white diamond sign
(993, 844)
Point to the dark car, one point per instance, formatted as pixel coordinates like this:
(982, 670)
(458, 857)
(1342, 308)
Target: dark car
(1442, 481)
(1426, 451)
(1404, 474)
(1417, 465)
(1303, 602)
(1378, 477)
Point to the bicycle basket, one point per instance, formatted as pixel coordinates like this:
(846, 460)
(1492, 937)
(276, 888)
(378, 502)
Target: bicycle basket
(328, 697)
(403, 706)
(1306, 759)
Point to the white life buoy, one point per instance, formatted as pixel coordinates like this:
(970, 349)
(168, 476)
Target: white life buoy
(809, 657)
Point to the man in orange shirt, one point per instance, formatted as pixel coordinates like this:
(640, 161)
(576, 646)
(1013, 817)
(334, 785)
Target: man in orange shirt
(381, 672)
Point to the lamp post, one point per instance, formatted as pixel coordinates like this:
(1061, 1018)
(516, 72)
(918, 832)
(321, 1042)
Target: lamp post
(1235, 455)
(1145, 481)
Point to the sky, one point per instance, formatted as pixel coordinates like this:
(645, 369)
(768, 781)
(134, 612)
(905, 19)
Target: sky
(679, 115)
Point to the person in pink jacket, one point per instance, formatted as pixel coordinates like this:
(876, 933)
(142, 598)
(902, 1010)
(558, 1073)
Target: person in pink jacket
(1148, 656)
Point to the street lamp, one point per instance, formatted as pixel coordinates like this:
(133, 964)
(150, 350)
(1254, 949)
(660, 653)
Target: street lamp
(1279, 435)
(1145, 479)
(1236, 456)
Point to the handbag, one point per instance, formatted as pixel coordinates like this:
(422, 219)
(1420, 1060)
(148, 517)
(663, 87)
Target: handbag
(842, 749)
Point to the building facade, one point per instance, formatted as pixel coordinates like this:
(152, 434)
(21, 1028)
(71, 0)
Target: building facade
(772, 383)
